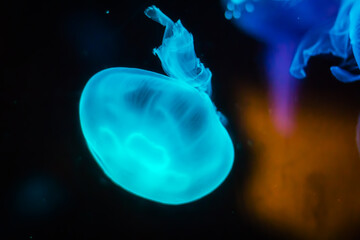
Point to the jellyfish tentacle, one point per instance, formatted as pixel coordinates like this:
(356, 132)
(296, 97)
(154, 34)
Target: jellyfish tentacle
(341, 40)
(315, 42)
(177, 53)
(158, 16)
(343, 75)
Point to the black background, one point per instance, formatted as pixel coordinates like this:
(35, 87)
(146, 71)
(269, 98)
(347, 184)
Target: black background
(50, 50)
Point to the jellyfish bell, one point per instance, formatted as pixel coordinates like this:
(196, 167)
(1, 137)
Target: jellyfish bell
(159, 137)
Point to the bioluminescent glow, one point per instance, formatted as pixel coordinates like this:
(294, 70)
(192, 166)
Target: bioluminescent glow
(282, 87)
(156, 136)
(274, 21)
(341, 38)
(280, 25)
(302, 183)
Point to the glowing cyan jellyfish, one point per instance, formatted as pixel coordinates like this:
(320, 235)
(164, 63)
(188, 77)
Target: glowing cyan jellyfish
(159, 137)
(280, 24)
(341, 38)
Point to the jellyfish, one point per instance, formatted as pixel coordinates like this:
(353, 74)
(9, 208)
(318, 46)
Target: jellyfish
(340, 38)
(159, 137)
(280, 25)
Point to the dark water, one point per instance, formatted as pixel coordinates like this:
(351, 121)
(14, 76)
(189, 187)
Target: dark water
(52, 187)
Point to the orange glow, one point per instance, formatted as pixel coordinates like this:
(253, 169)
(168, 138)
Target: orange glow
(309, 182)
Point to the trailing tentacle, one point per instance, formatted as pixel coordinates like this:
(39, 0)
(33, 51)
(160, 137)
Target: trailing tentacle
(177, 54)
